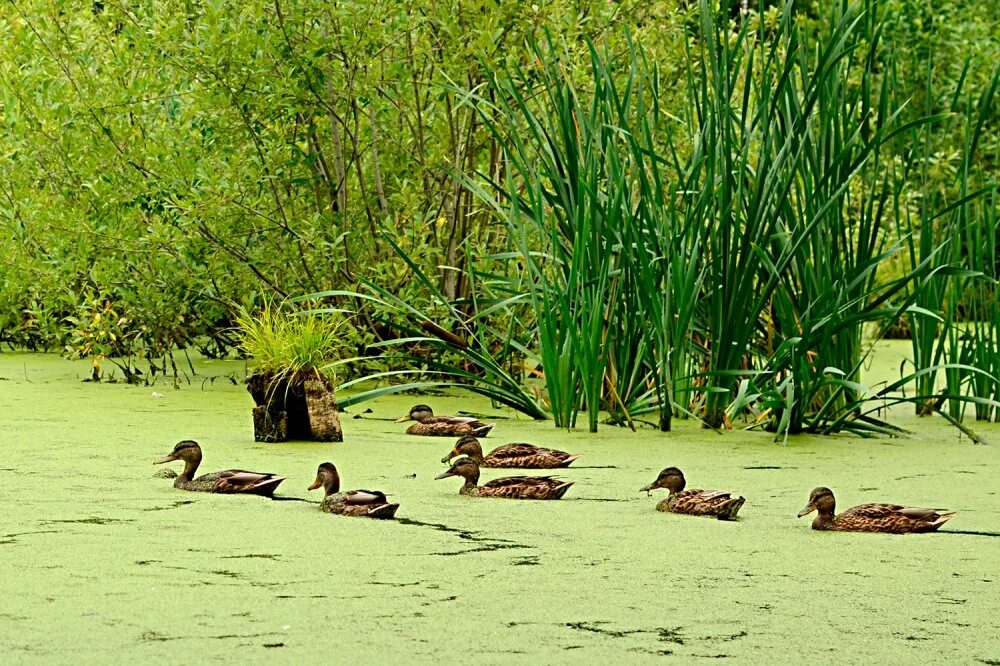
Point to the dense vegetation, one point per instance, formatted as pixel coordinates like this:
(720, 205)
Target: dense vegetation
(653, 208)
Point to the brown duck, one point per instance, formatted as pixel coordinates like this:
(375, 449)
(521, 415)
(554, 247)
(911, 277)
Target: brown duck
(888, 518)
(365, 503)
(525, 456)
(443, 426)
(229, 481)
(717, 503)
(510, 487)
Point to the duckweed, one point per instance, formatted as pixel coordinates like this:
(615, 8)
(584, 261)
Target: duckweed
(102, 562)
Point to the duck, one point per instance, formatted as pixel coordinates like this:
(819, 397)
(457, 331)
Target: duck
(886, 518)
(716, 503)
(525, 456)
(365, 503)
(228, 482)
(429, 425)
(510, 487)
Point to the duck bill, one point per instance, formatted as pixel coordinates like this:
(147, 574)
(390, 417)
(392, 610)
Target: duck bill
(402, 419)
(806, 510)
(315, 484)
(450, 456)
(445, 475)
(164, 459)
(651, 486)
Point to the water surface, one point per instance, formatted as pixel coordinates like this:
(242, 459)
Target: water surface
(102, 562)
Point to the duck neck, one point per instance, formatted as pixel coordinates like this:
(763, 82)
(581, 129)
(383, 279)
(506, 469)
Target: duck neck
(331, 484)
(190, 467)
(824, 520)
(469, 488)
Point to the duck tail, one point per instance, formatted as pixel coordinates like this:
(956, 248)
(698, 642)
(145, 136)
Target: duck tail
(561, 489)
(943, 518)
(568, 460)
(483, 430)
(266, 487)
(730, 508)
(385, 511)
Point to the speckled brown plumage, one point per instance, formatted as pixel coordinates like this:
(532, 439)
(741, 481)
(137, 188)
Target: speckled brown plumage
(229, 481)
(694, 502)
(429, 425)
(361, 503)
(887, 518)
(511, 487)
(523, 456)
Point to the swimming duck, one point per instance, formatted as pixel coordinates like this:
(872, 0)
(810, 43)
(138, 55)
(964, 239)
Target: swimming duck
(525, 456)
(366, 503)
(229, 481)
(717, 503)
(889, 518)
(443, 426)
(510, 487)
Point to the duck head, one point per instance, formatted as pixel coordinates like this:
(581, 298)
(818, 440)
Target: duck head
(671, 478)
(188, 450)
(467, 446)
(417, 413)
(821, 500)
(327, 478)
(467, 468)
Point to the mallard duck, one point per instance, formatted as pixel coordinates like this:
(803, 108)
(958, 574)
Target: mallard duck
(525, 456)
(366, 503)
(229, 481)
(510, 487)
(717, 503)
(443, 426)
(889, 518)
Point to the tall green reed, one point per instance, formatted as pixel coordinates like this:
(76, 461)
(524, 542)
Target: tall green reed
(464, 352)
(951, 330)
(612, 276)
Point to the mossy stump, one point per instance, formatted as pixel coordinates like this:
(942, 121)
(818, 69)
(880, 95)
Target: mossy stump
(300, 407)
(269, 425)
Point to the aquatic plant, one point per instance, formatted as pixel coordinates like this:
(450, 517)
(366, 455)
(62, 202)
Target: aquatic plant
(291, 383)
(462, 345)
(283, 343)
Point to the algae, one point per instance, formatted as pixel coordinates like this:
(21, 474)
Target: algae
(103, 563)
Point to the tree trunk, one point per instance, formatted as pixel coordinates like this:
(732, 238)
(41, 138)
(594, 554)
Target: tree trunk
(294, 408)
(324, 415)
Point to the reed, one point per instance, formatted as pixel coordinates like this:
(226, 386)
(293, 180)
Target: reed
(460, 349)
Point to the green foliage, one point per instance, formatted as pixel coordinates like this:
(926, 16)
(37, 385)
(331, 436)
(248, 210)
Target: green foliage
(284, 343)
(458, 356)
(195, 153)
(664, 208)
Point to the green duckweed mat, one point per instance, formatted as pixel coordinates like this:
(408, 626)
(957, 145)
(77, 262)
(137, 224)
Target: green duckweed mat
(101, 562)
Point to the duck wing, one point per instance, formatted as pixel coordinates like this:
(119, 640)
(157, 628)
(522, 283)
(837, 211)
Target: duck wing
(893, 518)
(364, 503)
(698, 502)
(507, 481)
(459, 420)
(526, 487)
(516, 450)
(528, 455)
(443, 428)
(243, 481)
(365, 497)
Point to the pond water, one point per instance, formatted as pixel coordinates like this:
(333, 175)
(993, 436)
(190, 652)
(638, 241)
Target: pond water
(100, 561)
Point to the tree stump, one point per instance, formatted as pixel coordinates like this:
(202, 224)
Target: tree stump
(324, 415)
(294, 408)
(269, 425)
